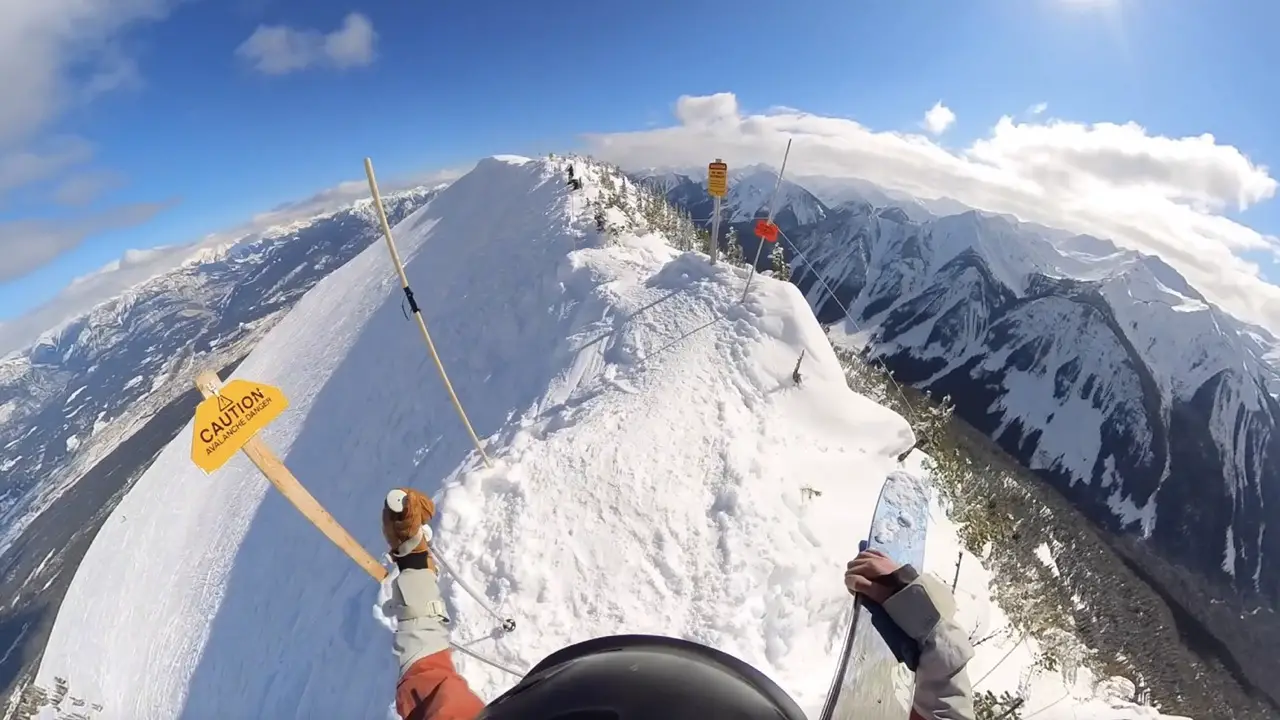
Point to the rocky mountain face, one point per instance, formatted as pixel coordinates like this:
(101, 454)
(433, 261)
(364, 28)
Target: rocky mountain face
(72, 397)
(1102, 370)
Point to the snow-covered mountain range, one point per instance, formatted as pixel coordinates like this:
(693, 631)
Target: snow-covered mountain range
(70, 398)
(958, 305)
(637, 414)
(1100, 368)
(750, 190)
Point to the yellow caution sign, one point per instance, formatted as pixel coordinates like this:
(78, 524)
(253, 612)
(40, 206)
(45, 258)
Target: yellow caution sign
(717, 179)
(229, 418)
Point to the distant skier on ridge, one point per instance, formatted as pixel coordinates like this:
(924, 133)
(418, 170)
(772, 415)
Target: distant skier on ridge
(573, 182)
(638, 677)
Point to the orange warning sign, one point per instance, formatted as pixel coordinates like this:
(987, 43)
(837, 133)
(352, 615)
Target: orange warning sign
(766, 230)
(717, 179)
(227, 420)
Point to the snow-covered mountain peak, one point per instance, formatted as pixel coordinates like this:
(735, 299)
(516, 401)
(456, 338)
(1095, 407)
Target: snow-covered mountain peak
(1148, 279)
(1012, 255)
(1185, 339)
(751, 189)
(1086, 245)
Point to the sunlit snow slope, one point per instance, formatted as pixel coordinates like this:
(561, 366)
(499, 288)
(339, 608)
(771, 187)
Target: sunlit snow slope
(650, 450)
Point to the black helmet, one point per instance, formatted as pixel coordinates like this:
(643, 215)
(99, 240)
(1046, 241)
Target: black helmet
(639, 677)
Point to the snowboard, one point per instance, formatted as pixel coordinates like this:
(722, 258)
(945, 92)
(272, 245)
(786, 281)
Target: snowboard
(875, 675)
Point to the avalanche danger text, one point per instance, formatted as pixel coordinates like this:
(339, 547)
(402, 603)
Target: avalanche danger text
(234, 416)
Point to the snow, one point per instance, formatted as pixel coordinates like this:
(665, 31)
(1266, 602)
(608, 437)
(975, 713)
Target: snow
(751, 189)
(649, 454)
(1045, 554)
(1005, 662)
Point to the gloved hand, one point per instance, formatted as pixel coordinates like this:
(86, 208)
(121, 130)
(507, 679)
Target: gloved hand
(405, 515)
(876, 575)
(415, 598)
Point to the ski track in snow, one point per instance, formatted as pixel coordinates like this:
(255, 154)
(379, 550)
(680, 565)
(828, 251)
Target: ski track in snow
(649, 453)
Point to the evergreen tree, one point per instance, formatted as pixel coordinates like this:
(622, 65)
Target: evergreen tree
(989, 706)
(781, 269)
(733, 248)
(704, 241)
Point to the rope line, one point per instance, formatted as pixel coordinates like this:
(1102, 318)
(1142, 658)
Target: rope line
(879, 360)
(1046, 707)
(773, 201)
(491, 663)
(1000, 662)
(507, 624)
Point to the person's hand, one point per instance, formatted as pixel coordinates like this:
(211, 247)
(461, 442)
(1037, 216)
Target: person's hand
(865, 572)
(405, 515)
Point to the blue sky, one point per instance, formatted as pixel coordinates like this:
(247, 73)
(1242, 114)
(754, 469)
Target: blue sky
(213, 141)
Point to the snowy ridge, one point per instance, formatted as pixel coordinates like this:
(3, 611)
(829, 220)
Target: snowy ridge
(650, 449)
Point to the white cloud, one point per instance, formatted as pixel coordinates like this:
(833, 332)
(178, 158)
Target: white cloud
(55, 53)
(1159, 195)
(30, 165)
(84, 187)
(1038, 108)
(938, 119)
(55, 56)
(28, 244)
(352, 45)
(279, 49)
(341, 195)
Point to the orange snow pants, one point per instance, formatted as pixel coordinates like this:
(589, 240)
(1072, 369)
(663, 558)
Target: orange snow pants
(432, 689)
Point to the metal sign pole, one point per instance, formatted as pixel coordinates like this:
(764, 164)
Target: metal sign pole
(717, 185)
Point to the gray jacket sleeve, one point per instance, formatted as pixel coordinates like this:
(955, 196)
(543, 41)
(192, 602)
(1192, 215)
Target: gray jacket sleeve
(925, 610)
(420, 616)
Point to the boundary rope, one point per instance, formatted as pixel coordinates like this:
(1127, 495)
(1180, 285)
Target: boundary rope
(507, 624)
(995, 667)
(1046, 707)
(773, 200)
(878, 360)
(491, 663)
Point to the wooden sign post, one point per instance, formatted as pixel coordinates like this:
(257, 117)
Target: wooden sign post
(228, 419)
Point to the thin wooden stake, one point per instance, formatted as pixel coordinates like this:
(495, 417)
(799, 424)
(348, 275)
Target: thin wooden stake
(417, 312)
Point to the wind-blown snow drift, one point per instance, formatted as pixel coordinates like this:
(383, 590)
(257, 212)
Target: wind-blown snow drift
(650, 449)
